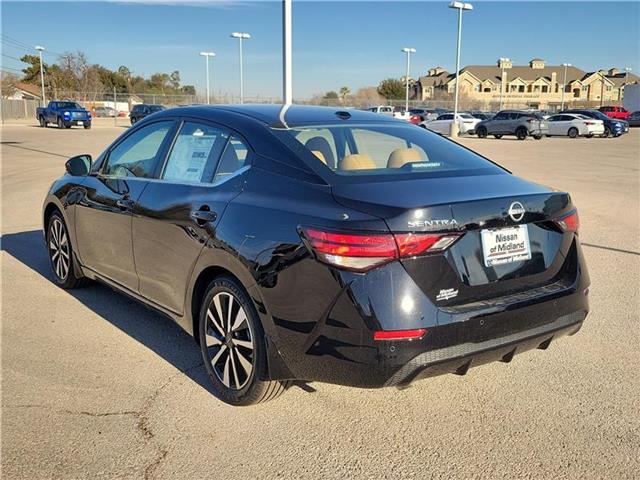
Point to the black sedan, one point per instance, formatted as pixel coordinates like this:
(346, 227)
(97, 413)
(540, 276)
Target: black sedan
(315, 244)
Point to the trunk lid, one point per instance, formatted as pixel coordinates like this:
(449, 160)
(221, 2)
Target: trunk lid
(471, 204)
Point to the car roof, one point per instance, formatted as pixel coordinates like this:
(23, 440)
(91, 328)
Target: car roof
(293, 115)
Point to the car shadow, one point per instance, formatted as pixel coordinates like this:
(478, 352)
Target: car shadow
(155, 331)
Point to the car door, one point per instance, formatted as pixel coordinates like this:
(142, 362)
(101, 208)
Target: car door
(51, 113)
(177, 214)
(554, 123)
(104, 213)
(496, 124)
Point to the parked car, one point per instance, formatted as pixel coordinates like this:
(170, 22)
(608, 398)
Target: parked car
(382, 109)
(482, 115)
(521, 123)
(320, 244)
(611, 126)
(619, 113)
(466, 123)
(138, 112)
(634, 119)
(64, 115)
(106, 112)
(401, 113)
(574, 125)
(424, 113)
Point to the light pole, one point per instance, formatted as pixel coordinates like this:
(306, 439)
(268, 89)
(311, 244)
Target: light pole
(460, 6)
(502, 82)
(408, 51)
(40, 49)
(287, 87)
(626, 80)
(241, 36)
(206, 55)
(564, 84)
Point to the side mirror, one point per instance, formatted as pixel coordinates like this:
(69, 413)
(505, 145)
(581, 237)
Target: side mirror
(79, 166)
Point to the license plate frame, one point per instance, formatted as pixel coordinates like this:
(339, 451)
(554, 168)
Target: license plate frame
(80, 123)
(505, 245)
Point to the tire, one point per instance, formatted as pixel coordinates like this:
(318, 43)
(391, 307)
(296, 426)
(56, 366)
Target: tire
(548, 136)
(42, 122)
(61, 254)
(87, 127)
(133, 120)
(482, 132)
(498, 136)
(537, 137)
(521, 133)
(607, 132)
(234, 352)
(60, 123)
(573, 132)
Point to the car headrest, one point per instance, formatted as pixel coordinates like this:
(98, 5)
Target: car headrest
(320, 156)
(402, 156)
(357, 161)
(320, 144)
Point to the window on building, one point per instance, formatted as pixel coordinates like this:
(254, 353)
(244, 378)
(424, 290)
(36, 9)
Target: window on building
(557, 88)
(545, 88)
(585, 88)
(608, 88)
(487, 89)
(536, 88)
(521, 89)
(529, 88)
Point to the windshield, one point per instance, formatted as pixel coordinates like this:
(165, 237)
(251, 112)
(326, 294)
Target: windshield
(600, 115)
(375, 149)
(156, 108)
(70, 105)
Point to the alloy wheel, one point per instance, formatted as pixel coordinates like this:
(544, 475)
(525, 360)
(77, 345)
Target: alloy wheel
(230, 341)
(59, 249)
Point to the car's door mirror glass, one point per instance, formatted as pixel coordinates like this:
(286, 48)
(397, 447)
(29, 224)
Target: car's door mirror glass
(79, 166)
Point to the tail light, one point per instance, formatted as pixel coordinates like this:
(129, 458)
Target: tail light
(589, 123)
(360, 252)
(569, 222)
(415, 119)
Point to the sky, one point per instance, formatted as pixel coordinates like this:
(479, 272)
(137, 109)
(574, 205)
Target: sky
(335, 44)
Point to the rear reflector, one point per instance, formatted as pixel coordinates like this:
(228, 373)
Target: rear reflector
(570, 222)
(399, 334)
(363, 251)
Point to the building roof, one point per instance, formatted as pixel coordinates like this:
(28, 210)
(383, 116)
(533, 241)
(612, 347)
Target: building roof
(29, 88)
(620, 79)
(524, 72)
(432, 81)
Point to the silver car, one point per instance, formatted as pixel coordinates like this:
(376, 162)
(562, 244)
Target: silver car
(521, 123)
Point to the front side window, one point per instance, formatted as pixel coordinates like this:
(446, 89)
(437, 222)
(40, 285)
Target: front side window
(136, 155)
(376, 149)
(195, 153)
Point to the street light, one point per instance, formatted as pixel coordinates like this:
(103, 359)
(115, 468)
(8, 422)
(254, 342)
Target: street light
(564, 84)
(206, 55)
(460, 6)
(241, 36)
(408, 51)
(626, 79)
(40, 49)
(502, 60)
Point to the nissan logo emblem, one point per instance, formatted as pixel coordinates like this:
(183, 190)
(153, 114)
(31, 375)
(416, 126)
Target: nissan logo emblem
(516, 211)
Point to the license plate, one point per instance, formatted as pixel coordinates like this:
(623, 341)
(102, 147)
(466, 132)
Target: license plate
(80, 123)
(505, 245)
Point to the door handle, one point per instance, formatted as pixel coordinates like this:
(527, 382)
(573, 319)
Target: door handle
(125, 203)
(202, 217)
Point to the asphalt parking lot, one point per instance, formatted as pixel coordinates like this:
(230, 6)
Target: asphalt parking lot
(97, 386)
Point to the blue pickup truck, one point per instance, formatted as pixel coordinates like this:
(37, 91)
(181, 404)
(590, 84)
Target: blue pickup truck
(64, 115)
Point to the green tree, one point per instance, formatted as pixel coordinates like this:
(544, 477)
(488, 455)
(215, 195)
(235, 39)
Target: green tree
(391, 89)
(331, 95)
(32, 72)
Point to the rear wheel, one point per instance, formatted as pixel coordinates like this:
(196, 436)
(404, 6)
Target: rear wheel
(521, 133)
(607, 132)
(42, 121)
(498, 136)
(573, 132)
(482, 132)
(61, 254)
(233, 346)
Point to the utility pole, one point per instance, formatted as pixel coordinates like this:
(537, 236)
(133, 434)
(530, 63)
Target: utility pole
(241, 36)
(40, 49)
(564, 85)
(460, 6)
(502, 82)
(206, 55)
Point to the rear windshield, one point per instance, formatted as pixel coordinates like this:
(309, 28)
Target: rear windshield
(359, 151)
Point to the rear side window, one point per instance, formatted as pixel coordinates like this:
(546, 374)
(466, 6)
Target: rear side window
(195, 153)
(388, 149)
(136, 155)
(234, 157)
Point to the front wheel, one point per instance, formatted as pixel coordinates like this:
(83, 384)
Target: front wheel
(589, 136)
(87, 126)
(482, 132)
(61, 254)
(521, 133)
(233, 345)
(573, 132)
(537, 137)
